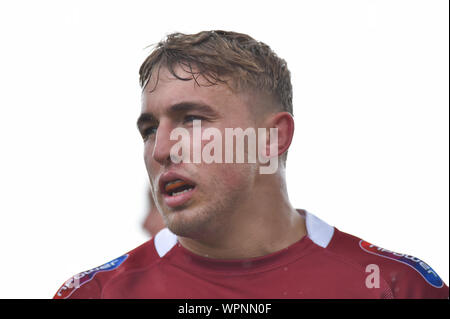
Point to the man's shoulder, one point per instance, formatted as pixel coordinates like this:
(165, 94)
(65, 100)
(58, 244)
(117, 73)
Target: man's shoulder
(406, 275)
(89, 284)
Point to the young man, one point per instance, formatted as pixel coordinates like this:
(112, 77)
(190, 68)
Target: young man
(231, 230)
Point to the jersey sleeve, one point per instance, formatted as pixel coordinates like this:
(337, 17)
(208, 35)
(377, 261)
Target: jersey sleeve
(88, 284)
(71, 289)
(407, 276)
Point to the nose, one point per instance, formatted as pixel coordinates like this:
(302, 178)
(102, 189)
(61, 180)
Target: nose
(163, 144)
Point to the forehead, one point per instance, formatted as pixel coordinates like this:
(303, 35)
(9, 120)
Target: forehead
(164, 89)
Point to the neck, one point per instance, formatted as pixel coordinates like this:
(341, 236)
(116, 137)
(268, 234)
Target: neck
(261, 225)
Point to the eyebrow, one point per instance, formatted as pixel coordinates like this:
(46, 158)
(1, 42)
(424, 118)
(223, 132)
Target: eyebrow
(178, 108)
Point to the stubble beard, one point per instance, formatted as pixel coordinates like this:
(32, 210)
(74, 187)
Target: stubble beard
(207, 218)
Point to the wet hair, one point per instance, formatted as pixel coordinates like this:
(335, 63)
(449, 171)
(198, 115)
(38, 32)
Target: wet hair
(232, 58)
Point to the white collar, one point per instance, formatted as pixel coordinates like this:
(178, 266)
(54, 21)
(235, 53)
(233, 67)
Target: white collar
(318, 231)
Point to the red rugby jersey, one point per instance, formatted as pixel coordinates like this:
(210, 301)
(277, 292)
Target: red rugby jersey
(327, 263)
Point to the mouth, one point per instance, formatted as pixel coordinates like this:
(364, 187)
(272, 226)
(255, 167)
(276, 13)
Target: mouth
(176, 189)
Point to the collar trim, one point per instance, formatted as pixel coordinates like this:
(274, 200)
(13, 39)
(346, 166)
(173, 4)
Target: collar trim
(318, 231)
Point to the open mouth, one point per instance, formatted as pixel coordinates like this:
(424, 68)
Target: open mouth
(177, 187)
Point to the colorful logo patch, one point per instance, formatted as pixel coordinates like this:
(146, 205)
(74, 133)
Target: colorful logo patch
(84, 277)
(421, 267)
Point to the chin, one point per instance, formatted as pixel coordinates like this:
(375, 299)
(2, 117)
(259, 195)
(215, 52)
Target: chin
(191, 223)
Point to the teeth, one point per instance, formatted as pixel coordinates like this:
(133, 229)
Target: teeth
(178, 193)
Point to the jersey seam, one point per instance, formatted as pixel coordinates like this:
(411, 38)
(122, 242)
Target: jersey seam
(133, 270)
(126, 274)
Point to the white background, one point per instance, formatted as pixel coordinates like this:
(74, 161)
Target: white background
(370, 154)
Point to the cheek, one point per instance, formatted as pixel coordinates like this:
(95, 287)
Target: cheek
(232, 177)
(148, 149)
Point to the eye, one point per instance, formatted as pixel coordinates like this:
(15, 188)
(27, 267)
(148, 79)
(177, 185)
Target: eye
(190, 118)
(149, 131)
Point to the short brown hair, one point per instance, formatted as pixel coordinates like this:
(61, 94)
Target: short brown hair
(219, 54)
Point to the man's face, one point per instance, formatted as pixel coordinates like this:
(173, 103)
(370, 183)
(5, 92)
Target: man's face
(194, 198)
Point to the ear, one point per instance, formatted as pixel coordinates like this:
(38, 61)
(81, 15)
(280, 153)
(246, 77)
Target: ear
(284, 123)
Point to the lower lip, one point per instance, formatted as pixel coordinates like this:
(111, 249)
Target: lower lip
(178, 200)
